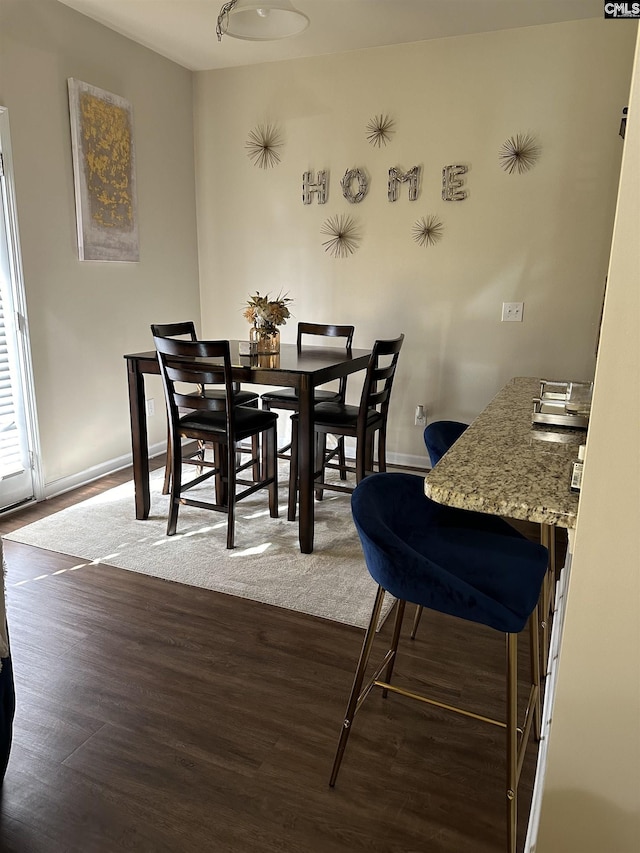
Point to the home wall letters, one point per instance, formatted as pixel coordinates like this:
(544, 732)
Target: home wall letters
(452, 184)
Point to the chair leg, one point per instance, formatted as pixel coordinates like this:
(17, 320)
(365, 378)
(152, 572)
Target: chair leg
(269, 464)
(221, 483)
(548, 539)
(382, 448)
(167, 469)
(255, 450)
(363, 454)
(320, 455)
(176, 483)
(416, 621)
(293, 472)
(229, 454)
(534, 651)
(342, 458)
(395, 639)
(354, 697)
(512, 741)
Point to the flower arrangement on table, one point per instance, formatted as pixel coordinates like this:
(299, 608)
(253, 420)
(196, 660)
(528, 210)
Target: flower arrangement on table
(265, 315)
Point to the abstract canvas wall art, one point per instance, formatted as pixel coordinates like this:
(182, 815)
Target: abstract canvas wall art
(104, 174)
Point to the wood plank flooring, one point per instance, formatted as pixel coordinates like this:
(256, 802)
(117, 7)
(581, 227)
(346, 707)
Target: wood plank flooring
(158, 717)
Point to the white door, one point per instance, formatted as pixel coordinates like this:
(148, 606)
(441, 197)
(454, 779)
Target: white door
(17, 421)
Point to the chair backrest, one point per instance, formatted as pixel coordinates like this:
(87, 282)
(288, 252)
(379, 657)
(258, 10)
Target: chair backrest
(175, 330)
(378, 382)
(185, 330)
(184, 373)
(440, 436)
(430, 554)
(328, 331)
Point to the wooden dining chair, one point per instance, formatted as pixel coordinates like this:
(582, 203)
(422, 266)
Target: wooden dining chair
(286, 399)
(362, 422)
(185, 367)
(187, 331)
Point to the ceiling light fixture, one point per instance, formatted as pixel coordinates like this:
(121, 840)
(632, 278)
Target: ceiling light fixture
(265, 20)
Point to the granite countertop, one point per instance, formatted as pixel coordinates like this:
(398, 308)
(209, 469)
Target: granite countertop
(505, 465)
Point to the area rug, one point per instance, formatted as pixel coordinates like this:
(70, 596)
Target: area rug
(266, 565)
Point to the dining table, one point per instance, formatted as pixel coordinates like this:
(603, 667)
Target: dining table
(303, 369)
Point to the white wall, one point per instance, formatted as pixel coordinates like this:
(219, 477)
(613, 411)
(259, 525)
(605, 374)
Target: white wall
(542, 237)
(591, 801)
(84, 316)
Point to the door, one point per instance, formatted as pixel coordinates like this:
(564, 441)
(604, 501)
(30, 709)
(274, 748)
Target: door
(17, 423)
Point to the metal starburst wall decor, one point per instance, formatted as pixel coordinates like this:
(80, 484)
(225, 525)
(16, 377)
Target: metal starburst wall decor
(262, 146)
(343, 233)
(427, 230)
(379, 130)
(519, 153)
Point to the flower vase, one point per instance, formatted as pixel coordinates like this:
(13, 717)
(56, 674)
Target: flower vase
(264, 340)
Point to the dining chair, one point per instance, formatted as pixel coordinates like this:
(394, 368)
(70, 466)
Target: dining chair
(286, 399)
(460, 563)
(187, 331)
(185, 367)
(361, 422)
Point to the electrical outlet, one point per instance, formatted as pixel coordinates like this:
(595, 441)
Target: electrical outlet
(512, 311)
(151, 407)
(421, 416)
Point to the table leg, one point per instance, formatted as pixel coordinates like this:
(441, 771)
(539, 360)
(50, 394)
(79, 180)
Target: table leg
(139, 441)
(305, 465)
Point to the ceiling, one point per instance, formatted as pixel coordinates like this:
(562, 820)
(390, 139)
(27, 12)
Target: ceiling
(185, 30)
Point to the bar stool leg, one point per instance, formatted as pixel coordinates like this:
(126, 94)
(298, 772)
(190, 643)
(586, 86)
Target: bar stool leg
(534, 647)
(416, 621)
(397, 627)
(354, 698)
(512, 741)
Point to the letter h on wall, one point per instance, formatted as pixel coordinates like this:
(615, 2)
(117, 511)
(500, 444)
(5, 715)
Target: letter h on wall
(309, 188)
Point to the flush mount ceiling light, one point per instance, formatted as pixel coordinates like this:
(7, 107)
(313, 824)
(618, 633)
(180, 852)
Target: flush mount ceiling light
(265, 20)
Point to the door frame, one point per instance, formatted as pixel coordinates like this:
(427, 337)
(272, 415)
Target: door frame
(20, 307)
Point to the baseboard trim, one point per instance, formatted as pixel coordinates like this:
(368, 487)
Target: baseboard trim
(89, 475)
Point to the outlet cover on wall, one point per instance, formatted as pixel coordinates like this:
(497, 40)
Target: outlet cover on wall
(512, 311)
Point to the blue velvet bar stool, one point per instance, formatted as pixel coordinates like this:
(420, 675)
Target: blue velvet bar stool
(464, 564)
(439, 436)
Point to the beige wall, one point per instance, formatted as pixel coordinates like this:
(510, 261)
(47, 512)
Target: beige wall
(85, 315)
(591, 801)
(542, 238)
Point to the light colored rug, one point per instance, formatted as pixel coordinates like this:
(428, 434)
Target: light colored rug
(266, 564)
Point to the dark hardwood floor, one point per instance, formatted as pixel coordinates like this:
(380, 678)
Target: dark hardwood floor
(157, 717)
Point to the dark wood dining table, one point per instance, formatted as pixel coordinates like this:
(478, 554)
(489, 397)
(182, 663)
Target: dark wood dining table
(303, 370)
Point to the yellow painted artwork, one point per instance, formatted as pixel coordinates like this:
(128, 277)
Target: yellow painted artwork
(104, 174)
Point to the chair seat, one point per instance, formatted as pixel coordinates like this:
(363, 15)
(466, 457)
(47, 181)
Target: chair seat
(466, 564)
(290, 396)
(341, 415)
(240, 397)
(247, 421)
